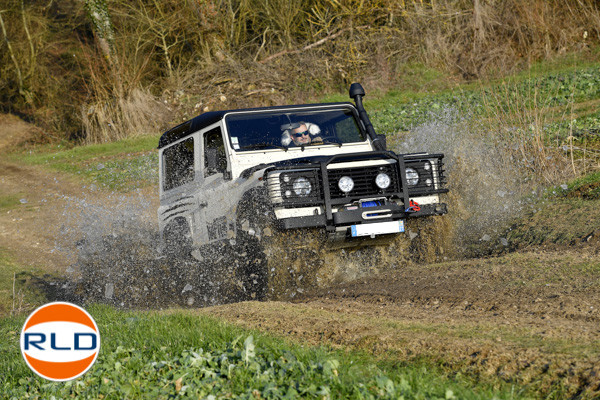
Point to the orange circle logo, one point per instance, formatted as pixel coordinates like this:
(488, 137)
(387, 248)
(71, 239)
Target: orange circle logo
(60, 341)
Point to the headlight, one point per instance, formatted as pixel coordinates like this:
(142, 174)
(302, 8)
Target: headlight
(346, 184)
(302, 187)
(412, 176)
(383, 181)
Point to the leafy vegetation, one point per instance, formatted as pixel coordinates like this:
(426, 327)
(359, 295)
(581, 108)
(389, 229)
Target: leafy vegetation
(558, 89)
(161, 355)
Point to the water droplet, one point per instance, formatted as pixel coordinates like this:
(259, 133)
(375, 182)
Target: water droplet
(109, 290)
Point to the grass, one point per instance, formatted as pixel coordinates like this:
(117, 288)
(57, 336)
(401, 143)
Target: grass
(160, 355)
(9, 201)
(402, 113)
(122, 165)
(586, 187)
(16, 295)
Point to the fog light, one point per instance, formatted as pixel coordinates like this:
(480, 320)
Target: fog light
(383, 181)
(346, 184)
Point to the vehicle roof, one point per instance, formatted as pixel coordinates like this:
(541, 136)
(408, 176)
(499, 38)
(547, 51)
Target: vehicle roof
(208, 118)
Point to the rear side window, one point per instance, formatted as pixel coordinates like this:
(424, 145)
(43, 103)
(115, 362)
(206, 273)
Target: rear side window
(215, 160)
(178, 164)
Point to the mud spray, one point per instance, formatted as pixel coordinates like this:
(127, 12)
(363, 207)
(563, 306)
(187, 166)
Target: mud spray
(118, 259)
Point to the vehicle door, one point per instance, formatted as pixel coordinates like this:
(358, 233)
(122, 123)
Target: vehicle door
(214, 197)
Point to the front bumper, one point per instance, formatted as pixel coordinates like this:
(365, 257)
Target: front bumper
(327, 207)
(346, 217)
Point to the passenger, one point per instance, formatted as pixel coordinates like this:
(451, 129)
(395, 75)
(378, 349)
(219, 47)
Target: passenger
(300, 134)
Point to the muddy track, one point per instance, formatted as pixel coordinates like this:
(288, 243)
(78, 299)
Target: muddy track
(530, 318)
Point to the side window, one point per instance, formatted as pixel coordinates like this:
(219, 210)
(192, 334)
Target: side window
(178, 164)
(215, 160)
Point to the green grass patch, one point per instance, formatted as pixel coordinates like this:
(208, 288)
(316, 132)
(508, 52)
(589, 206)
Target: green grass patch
(163, 355)
(547, 90)
(123, 165)
(586, 187)
(16, 293)
(9, 201)
(403, 112)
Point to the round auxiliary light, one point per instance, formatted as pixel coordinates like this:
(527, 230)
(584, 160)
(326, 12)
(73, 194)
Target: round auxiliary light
(412, 176)
(382, 180)
(288, 193)
(427, 166)
(346, 184)
(428, 182)
(286, 178)
(302, 187)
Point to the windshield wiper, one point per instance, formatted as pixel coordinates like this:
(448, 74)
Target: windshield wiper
(262, 145)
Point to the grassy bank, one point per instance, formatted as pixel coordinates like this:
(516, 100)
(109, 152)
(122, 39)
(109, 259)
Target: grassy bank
(122, 165)
(159, 355)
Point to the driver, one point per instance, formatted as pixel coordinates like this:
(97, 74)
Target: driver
(300, 133)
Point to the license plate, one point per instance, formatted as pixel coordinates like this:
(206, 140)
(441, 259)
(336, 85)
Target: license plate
(377, 228)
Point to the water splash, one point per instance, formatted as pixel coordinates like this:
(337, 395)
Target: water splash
(489, 185)
(116, 257)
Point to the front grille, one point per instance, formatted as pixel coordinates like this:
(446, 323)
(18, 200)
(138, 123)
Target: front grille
(364, 181)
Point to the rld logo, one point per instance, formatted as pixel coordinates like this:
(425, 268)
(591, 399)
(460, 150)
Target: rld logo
(60, 341)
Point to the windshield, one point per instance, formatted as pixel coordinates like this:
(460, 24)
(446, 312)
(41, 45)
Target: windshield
(287, 129)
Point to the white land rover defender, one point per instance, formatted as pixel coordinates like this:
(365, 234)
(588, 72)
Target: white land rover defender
(238, 175)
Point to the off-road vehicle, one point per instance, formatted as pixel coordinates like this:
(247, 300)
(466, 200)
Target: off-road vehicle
(231, 179)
